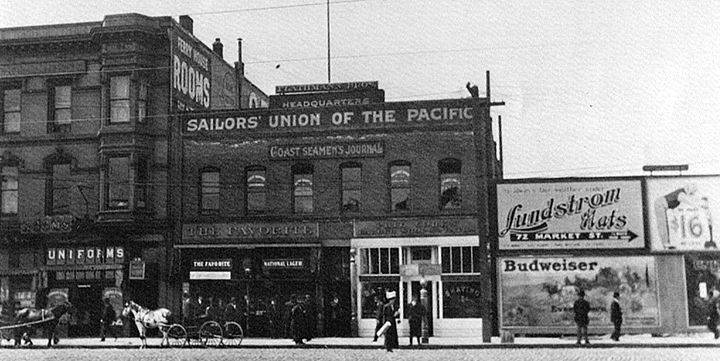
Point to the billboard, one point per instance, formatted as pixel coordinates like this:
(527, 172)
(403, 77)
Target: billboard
(191, 71)
(702, 277)
(331, 99)
(537, 293)
(570, 215)
(680, 213)
(326, 87)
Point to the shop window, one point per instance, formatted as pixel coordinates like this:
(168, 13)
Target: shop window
(142, 102)
(449, 170)
(11, 110)
(302, 188)
(143, 182)
(117, 183)
(380, 261)
(120, 99)
(60, 114)
(400, 187)
(60, 187)
(209, 191)
(351, 187)
(461, 259)
(9, 194)
(461, 300)
(371, 293)
(256, 189)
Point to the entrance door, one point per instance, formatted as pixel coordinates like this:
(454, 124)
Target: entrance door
(87, 300)
(411, 290)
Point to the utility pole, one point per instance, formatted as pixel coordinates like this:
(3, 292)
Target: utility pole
(328, 38)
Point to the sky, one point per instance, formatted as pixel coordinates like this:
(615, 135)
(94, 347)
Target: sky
(591, 88)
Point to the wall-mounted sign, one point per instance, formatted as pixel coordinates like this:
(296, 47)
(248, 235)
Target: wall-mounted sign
(326, 150)
(332, 99)
(211, 269)
(326, 87)
(407, 115)
(85, 256)
(702, 272)
(85, 274)
(191, 75)
(26, 298)
(683, 213)
(415, 227)
(49, 225)
(284, 263)
(537, 293)
(420, 269)
(570, 215)
(57, 296)
(249, 231)
(137, 270)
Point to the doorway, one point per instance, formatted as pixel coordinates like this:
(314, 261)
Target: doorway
(411, 290)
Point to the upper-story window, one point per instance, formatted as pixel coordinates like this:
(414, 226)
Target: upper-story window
(9, 193)
(60, 187)
(302, 188)
(450, 197)
(209, 190)
(11, 110)
(142, 101)
(142, 190)
(351, 187)
(256, 189)
(400, 186)
(60, 102)
(117, 183)
(120, 99)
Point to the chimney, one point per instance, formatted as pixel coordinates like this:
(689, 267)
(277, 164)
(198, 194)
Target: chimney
(218, 47)
(186, 22)
(239, 64)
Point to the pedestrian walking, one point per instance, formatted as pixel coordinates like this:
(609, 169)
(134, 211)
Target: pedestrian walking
(213, 311)
(297, 321)
(188, 309)
(581, 307)
(107, 317)
(616, 316)
(287, 314)
(379, 306)
(415, 315)
(713, 316)
(334, 316)
(390, 314)
(274, 316)
(310, 311)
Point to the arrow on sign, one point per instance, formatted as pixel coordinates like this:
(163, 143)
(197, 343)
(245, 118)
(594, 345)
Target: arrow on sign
(573, 236)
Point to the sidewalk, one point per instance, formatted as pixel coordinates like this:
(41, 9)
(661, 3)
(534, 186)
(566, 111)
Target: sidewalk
(633, 341)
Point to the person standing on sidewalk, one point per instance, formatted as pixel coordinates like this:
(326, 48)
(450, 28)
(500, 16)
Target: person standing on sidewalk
(713, 316)
(379, 306)
(616, 316)
(581, 307)
(106, 320)
(390, 314)
(415, 314)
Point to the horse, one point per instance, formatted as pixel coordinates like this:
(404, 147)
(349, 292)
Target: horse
(144, 318)
(51, 314)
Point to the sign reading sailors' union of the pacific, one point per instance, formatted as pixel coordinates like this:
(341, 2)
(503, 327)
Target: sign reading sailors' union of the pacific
(416, 227)
(371, 116)
(249, 231)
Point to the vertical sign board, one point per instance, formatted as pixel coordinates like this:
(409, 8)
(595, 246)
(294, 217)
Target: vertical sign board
(191, 72)
(537, 293)
(570, 215)
(683, 213)
(702, 272)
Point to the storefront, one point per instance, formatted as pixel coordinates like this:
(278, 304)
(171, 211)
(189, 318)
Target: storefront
(403, 255)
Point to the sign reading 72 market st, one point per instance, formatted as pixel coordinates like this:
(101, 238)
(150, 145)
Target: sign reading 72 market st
(570, 215)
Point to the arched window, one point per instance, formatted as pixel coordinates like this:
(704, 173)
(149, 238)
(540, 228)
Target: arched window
(302, 188)
(209, 190)
(351, 174)
(449, 170)
(256, 189)
(400, 178)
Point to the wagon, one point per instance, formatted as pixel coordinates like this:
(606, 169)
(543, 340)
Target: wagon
(208, 334)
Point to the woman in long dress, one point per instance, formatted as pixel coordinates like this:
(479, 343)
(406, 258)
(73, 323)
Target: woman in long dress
(390, 314)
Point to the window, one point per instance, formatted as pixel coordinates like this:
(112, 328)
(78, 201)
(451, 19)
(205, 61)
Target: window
(380, 261)
(120, 99)
(118, 183)
(372, 292)
(142, 102)
(256, 189)
(461, 259)
(11, 110)
(449, 170)
(143, 182)
(400, 187)
(351, 187)
(61, 184)
(60, 113)
(302, 188)
(9, 194)
(209, 191)
(461, 300)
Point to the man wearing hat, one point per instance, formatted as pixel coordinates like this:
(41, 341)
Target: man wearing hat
(390, 314)
(581, 307)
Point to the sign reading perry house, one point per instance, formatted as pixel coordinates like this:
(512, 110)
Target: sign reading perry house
(372, 116)
(191, 73)
(326, 150)
(248, 232)
(570, 215)
(683, 213)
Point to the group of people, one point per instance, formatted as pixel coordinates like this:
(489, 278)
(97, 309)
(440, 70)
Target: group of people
(386, 319)
(581, 308)
(196, 310)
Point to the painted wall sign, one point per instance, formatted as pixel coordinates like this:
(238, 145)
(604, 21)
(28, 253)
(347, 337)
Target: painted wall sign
(284, 263)
(537, 293)
(84, 256)
(323, 100)
(413, 115)
(570, 215)
(326, 150)
(49, 225)
(415, 227)
(137, 270)
(210, 275)
(191, 75)
(84, 274)
(212, 264)
(326, 87)
(249, 231)
(683, 213)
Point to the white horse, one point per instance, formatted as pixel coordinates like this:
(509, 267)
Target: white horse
(145, 318)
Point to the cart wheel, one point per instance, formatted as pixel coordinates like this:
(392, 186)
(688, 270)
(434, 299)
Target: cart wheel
(177, 336)
(211, 334)
(233, 334)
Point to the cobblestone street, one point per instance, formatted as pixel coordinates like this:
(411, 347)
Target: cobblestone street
(539, 354)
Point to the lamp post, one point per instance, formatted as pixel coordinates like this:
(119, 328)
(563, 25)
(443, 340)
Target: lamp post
(425, 333)
(247, 300)
(353, 294)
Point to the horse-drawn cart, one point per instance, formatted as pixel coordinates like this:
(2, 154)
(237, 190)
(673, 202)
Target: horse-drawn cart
(209, 333)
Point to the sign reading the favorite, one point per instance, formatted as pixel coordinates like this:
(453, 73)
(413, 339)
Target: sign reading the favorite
(249, 231)
(191, 75)
(370, 116)
(570, 215)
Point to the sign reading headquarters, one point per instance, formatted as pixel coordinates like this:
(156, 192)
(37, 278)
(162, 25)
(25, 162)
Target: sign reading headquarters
(370, 116)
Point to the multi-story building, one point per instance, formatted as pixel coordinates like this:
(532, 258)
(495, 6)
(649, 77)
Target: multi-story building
(87, 199)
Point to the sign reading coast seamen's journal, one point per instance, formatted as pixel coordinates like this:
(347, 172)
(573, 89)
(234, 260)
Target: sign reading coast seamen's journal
(570, 215)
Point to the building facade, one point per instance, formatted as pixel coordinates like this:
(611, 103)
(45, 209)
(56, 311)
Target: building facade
(87, 202)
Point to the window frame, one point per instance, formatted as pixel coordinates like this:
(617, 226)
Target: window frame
(255, 191)
(201, 191)
(108, 184)
(4, 192)
(355, 186)
(5, 87)
(303, 169)
(112, 100)
(391, 187)
(443, 166)
(142, 183)
(53, 125)
(143, 98)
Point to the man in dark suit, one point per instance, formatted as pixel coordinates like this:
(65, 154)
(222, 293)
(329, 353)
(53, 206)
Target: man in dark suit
(616, 316)
(581, 307)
